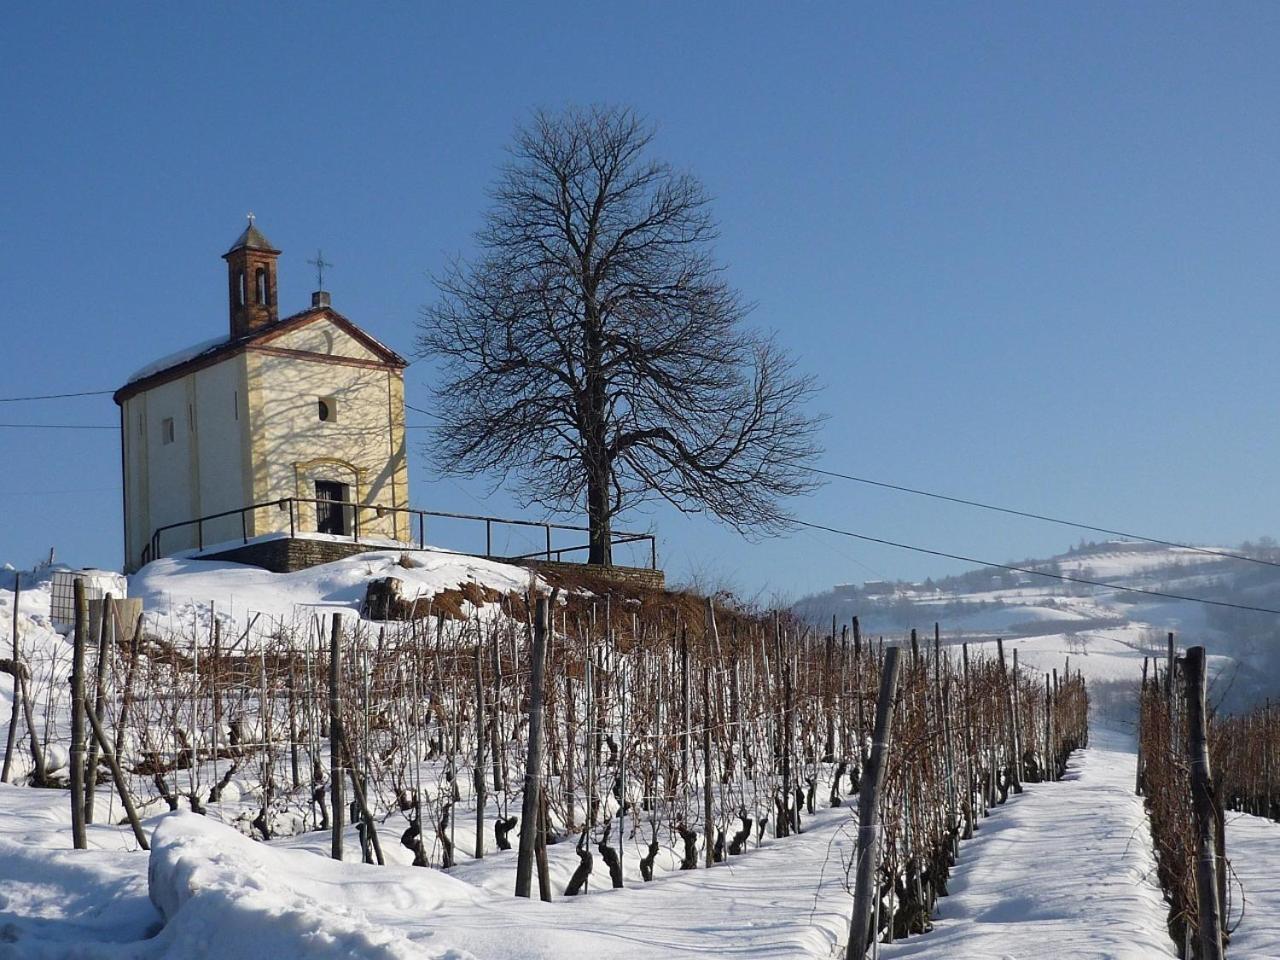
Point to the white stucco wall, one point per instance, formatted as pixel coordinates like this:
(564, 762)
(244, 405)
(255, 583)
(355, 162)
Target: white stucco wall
(292, 448)
(221, 406)
(200, 472)
(247, 430)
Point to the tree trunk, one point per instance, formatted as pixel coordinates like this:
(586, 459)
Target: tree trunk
(600, 521)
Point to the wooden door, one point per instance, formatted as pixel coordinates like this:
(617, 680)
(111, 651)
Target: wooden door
(330, 513)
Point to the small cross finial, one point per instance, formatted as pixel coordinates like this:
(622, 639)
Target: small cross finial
(320, 263)
(250, 217)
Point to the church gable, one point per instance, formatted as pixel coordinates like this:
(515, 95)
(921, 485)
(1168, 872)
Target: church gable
(326, 333)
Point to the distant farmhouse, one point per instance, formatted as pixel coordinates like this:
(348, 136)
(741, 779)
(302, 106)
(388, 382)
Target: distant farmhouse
(281, 426)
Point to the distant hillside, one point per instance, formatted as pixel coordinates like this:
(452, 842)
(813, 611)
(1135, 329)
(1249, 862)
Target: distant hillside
(1106, 632)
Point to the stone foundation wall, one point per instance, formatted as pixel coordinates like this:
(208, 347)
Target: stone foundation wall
(623, 576)
(285, 555)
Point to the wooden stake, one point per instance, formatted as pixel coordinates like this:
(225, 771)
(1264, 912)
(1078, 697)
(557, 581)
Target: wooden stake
(531, 809)
(99, 703)
(1203, 803)
(479, 778)
(335, 738)
(867, 860)
(77, 717)
(17, 684)
(708, 820)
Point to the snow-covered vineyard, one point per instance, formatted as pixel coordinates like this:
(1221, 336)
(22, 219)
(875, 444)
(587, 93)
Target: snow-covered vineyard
(699, 778)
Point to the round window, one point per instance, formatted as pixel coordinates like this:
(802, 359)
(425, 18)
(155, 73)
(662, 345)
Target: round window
(325, 413)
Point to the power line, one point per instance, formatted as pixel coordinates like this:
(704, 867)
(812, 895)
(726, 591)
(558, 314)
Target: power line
(57, 396)
(1039, 516)
(56, 426)
(1038, 573)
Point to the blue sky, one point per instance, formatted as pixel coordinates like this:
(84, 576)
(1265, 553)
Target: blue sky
(1030, 249)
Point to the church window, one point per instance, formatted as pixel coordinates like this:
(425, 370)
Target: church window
(260, 285)
(166, 430)
(240, 289)
(327, 408)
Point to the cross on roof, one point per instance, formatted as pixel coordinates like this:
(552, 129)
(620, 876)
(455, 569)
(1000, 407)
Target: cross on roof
(320, 263)
(250, 217)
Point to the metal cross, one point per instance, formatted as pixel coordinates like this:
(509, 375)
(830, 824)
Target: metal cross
(320, 263)
(251, 218)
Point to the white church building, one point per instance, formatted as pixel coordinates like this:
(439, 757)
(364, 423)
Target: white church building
(289, 426)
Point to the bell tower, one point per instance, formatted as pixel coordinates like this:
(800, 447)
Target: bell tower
(251, 281)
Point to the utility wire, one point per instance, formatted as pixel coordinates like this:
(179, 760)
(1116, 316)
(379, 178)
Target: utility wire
(57, 396)
(1039, 516)
(56, 426)
(1038, 573)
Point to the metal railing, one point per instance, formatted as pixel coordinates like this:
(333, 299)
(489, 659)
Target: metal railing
(152, 550)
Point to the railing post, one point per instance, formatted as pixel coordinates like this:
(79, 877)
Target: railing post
(422, 539)
(200, 534)
(355, 520)
(291, 530)
(653, 553)
(547, 527)
(244, 528)
(488, 538)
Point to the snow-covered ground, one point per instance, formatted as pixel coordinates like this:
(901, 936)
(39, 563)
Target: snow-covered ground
(184, 590)
(1066, 870)
(1253, 847)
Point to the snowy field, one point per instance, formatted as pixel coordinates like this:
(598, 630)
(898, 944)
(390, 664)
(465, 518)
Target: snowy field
(1063, 870)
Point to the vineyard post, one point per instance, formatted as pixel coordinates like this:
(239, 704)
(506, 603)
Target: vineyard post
(1051, 769)
(479, 773)
(1010, 683)
(335, 739)
(867, 858)
(99, 703)
(1017, 713)
(686, 718)
(953, 813)
(622, 761)
(531, 808)
(495, 727)
(1137, 786)
(1203, 802)
(708, 821)
(294, 758)
(17, 683)
(971, 814)
(828, 695)
(77, 717)
(540, 849)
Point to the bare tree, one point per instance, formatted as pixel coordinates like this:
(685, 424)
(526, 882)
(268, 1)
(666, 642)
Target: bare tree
(594, 350)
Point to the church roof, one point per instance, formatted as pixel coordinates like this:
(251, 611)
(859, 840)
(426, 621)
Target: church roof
(252, 239)
(213, 351)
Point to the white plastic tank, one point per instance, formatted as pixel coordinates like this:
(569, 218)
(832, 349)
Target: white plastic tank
(97, 584)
